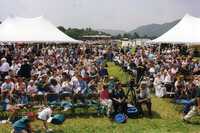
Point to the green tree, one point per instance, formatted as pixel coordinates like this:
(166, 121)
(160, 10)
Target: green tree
(61, 28)
(136, 35)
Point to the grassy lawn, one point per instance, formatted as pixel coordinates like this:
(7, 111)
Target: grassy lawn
(166, 118)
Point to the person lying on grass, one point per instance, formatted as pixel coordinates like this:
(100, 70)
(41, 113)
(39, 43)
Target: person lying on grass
(23, 125)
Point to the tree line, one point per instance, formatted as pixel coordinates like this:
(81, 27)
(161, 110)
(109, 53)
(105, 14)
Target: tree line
(78, 33)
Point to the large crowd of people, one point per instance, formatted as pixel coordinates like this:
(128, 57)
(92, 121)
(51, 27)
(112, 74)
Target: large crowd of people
(26, 72)
(171, 72)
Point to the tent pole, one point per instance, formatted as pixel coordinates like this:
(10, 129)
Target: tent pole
(159, 48)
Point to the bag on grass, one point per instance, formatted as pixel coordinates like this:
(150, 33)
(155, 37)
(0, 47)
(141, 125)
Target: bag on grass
(120, 118)
(57, 119)
(132, 111)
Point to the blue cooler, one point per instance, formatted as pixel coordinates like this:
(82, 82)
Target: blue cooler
(132, 111)
(120, 118)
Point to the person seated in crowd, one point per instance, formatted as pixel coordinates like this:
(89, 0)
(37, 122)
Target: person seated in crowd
(103, 72)
(168, 81)
(119, 100)
(184, 70)
(191, 89)
(77, 86)
(25, 69)
(54, 86)
(42, 84)
(20, 91)
(196, 81)
(23, 125)
(92, 71)
(32, 89)
(7, 88)
(83, 85)
(143, 97)
(75, 83)
(196, 69)
(4, 68)
(179, 87)
(105, 99)
(66, 86)
(160, 90)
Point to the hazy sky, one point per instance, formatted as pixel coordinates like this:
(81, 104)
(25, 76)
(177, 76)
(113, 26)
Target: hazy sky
(107, 14)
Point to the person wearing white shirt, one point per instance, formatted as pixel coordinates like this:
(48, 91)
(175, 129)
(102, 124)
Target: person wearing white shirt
(55, 86)
(75, 84)
(4, 68)
(160, 90)
(44, 115)
(7, 87)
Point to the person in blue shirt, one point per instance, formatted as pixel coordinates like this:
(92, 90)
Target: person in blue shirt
(23, 125)
(103, 71)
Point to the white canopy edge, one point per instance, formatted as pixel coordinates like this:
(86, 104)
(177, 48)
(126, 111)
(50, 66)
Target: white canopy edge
(186, 31)
(32, 30)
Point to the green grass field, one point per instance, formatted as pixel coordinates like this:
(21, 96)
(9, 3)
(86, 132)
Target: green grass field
(166, 118)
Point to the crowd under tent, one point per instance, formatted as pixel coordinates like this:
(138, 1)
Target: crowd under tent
(15, 30)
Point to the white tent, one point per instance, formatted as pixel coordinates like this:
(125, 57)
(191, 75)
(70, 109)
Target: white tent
(31, 30)
(187, 31)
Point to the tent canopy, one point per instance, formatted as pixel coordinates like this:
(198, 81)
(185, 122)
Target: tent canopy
(31, 30)
(187, 31)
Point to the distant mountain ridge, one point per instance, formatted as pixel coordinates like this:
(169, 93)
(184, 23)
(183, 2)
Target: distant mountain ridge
(150, 30)
(154, 30)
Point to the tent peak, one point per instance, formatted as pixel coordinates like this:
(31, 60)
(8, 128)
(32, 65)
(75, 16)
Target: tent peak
(38, 29)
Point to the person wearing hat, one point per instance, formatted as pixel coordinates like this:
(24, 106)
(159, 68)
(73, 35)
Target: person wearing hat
(4, 68)
(143, 97)
(23, 125)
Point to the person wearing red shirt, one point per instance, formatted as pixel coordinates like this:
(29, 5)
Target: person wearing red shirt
(105, 99)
